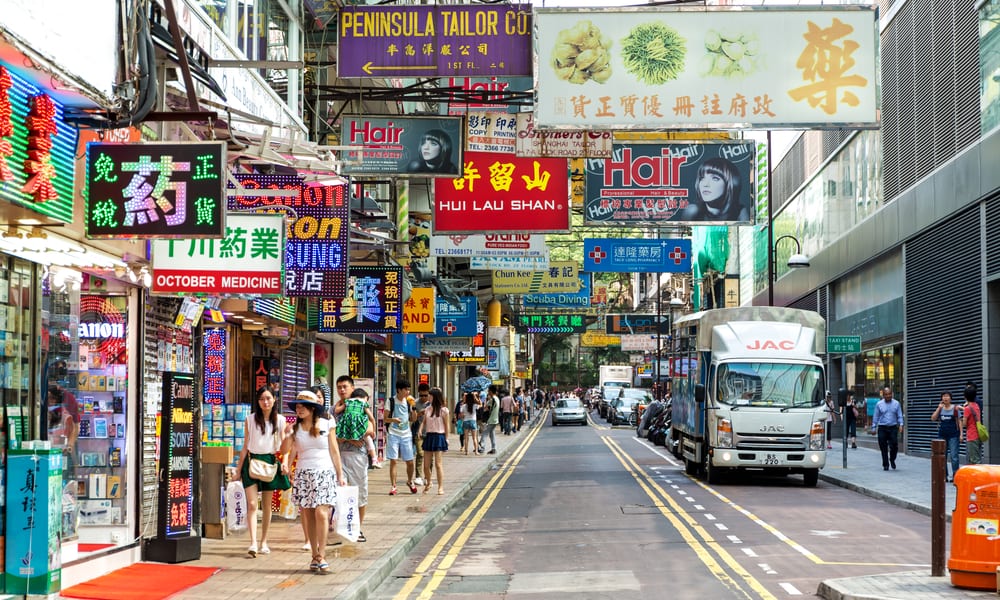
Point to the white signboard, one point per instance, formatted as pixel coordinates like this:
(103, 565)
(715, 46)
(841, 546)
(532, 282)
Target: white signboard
(493, 244)
(710, 67)
(638, 342)
(248, 260)
(443, 344)
(532, 141)
(490, 132)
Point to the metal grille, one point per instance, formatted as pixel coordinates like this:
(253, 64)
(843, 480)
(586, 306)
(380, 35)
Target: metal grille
(296, 371)
(944, 326)
(808, 302)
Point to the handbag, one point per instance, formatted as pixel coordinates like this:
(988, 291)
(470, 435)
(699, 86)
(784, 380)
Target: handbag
(984, 434)
(262, 470)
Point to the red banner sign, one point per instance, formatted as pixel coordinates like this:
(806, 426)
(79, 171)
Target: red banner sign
(500, 192)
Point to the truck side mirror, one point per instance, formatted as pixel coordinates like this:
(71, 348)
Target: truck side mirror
(699, 393)
(842, 397)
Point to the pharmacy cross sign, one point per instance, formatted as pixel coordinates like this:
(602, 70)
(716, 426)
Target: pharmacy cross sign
(450, 328)
(624, 255)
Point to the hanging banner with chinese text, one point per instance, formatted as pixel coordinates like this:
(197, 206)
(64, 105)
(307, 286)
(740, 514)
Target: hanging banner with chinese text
(716, 67)
(561, 276)
(474, 354)
(434, 41)
(491, 132)
(373, 304)
(550, 323)
(629, 255)
(532, 141)
(687, 183)
(246, 261)
(501, 193)
(404, 146)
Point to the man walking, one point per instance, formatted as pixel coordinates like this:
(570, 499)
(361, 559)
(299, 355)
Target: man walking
(888, 423)
(399, 444)
(970, 415)
(354, 421)
(506, 413)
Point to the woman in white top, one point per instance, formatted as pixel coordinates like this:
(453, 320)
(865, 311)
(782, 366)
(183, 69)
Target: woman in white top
(313, 441)
(262, 439)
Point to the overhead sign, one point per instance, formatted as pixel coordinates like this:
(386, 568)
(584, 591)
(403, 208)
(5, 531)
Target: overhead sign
(596, 339)
(504, 193)
(509, 263)
(489, 244)
(579, 299)
(418, 311)
(572, 323)
(491, 132)
(373, 304)
(404, 146)
(474, 354)
(632, 324)
(157, 190)
(686, 182)
(843, 344)
(532, 141)
(641, 343)
(450, 321)
(247, 260)
(444, 344)
(434, 41)
(720, 67)
(561, 276)
(316, 247)
(491, 91)
(625, 255)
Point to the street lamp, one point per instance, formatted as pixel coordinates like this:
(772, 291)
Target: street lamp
(795, 261)
(676, 304)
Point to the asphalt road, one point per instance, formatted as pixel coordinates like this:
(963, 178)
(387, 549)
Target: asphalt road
(594, 512)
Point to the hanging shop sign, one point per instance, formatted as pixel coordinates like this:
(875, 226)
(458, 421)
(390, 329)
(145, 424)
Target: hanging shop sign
(716, 68)
(407, 344)
(37, 149)
(579, 299)
(509, 263)
(373, 303)
(692, 183)
(564, 143)
(404, 146)
(434, 41)
(596, 339)
(451, 321)
(161, 190)
(501, 193)
(570, 323)
(265, 371)
(623, 255)
(561, 276)
(246, 261)
(176, 456)
(636, 324)
(445, 344)
(491, 91)
(640, 343)
(418, 311)
(489, 245)
(491, 132)
(215, 366)
(475, 354)
(316, 247)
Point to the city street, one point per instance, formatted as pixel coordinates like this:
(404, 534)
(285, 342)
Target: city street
(597, 512)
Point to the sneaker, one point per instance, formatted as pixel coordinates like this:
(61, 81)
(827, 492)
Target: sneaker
(377, 465)
(392, 491)
(413, 488)
(361, 537)
(829, 446)
(418, 481)
(307, 546)
(252, 551)
(493, 451)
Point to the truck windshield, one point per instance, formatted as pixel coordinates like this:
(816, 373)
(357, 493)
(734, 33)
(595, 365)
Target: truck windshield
(770, 384)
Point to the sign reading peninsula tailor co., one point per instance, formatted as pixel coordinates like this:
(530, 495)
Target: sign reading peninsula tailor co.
(501, 193)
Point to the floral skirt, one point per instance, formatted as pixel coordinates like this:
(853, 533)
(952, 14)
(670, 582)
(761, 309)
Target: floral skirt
(314, 487)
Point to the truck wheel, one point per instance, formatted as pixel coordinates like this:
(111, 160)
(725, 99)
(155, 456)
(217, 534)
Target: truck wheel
(810, 477)
(690, 467)
(713, 474)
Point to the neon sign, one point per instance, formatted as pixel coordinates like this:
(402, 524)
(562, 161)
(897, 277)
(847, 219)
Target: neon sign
(215, 366)
(177, 455)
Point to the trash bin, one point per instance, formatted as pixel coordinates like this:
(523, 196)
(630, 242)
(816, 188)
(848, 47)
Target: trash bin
(975, 528)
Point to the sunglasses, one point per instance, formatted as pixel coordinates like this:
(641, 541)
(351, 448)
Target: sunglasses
(423, 395)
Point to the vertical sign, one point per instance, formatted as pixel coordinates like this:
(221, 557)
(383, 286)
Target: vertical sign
(215, 366)
(264, 371)
(373, 303)
(176, 456)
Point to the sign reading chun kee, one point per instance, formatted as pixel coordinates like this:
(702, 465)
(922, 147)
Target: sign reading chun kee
(175, 190)
(373, 303)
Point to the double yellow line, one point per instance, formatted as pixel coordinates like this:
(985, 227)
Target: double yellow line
(695, 536)
(466, 523)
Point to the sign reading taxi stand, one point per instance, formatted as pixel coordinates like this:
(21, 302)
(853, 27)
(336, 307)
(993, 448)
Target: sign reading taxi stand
(843, 344)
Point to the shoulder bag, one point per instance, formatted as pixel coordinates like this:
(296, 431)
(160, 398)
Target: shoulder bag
(261, 470)
(984, 434)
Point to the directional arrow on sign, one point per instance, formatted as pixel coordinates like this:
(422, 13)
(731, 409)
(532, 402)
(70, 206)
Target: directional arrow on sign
(370, 68)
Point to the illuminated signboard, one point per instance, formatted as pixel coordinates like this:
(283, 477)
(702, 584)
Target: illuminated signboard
(316, 247)
(636, 324)
(176, 456)
(264, 370)
(475, 354)
(550, 323)
(215, 366)
(157, 190)
(373, 303)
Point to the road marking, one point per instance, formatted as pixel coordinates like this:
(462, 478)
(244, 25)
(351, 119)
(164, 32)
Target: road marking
(573, 581)
(734, 539)
(675, 486)
(722, 527)
(682, 492)
(667, 457)
(826, 533)
(749, 552)
(699, 507)
(689, 498)
(791, 589)
(688, 527)
(767, 568)
(710, 516)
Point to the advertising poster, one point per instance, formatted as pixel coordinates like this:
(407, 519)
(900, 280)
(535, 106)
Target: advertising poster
(693, 183)
(716, 67)
(476, 94)
(491, 132)
(404, 146)
(504, 193)
(373, 304)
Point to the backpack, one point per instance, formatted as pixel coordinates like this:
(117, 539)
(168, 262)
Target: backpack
(483, 412)
(354, 422)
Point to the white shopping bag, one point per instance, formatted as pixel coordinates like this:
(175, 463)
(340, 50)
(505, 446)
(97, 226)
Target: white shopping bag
(346, 513)
(236, 506)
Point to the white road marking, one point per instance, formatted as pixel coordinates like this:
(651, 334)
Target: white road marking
(675, 486)
(734, 539)
(699, 507)
(767, 568)
(573, 581)
(710, 516)
(689, 498)
(682, 492)
(791, 589)
(749, 552)
(722, 527)
(832, 533)
(667, 457)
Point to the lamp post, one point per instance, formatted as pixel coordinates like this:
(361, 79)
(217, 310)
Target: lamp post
(676, 304)
(795, 261)
(659, 311)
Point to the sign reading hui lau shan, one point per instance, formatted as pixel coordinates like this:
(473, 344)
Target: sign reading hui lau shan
(501, 193)
(155, 191)
(373, 303)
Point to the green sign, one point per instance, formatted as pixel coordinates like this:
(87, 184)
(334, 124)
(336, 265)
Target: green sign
(843, 344)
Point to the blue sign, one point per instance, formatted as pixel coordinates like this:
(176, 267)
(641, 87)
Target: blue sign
(621, 255)
(454, 322)
(579, 299)
(407, 344)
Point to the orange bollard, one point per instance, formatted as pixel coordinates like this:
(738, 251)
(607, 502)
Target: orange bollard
(975, 528)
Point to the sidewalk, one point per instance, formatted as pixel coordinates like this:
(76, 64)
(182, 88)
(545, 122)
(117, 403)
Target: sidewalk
(396, 524)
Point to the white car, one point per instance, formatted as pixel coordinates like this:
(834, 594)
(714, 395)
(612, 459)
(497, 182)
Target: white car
(569, 410)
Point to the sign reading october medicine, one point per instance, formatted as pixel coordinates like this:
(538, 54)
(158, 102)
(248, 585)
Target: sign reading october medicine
(373, 304)
(501, 193)
(697, 183)
(714, 67)
(623, 255)
(434, 41)
(155, 190)
(246, 261)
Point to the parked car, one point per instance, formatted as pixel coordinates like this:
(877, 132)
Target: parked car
(569, 410)
(608, 393)
(625, 408)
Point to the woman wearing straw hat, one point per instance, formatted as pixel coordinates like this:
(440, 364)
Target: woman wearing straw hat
(313, 441)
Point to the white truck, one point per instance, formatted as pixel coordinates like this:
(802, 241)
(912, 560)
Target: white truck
(753, 397)
(610, 380)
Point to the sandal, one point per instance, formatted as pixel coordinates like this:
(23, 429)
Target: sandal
(361, 537)
(427, 488)
(392, 491)
(323, 566)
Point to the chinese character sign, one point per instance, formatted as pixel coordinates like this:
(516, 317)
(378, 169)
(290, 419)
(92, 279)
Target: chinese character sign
(317, 237)
(451, 321)
(718, 67)
(177, 455)
(560, 276)
(434, 41)
(626, 255)
(398, 145)
(568, 323)
(155, 190)
(246, 261)
(504, 193)
(696, 183)
(215, 366)
(418, 311)
(373, 303)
